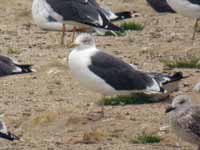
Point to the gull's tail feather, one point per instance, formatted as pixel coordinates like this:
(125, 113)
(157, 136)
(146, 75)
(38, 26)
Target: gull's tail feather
(176, 77)
(168, 83)
(172, 84)
(25, 68)
(165, 79)
(9, 136)
(114, 28)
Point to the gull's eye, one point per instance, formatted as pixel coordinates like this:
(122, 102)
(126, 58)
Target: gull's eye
(182, 102)
(87, 40)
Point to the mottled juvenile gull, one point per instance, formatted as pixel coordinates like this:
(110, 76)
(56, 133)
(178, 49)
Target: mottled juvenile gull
(72, 15)
(185, 119)
(108, 75)
(189, 8)
(10, 67)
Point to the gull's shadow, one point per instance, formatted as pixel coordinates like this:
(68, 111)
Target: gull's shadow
(135, 99)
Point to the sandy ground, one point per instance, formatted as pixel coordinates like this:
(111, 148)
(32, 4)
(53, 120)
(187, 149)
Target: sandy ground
(49, 109)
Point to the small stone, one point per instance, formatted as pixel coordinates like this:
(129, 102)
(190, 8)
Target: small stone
(197, 87)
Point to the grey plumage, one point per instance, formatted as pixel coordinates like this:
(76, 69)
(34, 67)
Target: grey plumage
(9, 67)
(119, 74)
(82, 12)
(185, 119)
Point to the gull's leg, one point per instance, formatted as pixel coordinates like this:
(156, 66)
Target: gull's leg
(195, 28)
(199, 147)
(102, 108)
(97, 115)
(73, 34)
(63, 34)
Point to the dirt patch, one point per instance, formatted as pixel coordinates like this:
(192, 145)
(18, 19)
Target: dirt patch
(49, 108)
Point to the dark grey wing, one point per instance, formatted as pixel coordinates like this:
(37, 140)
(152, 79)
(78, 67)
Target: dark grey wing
(118, 74)
(190, 121)
(82, 12)
(6, 66)
(1, 126)
(160, 6)
(197, 2)
(104, 11)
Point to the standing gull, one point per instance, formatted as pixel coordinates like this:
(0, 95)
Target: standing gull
(185, 119)
(189, 8)
(72, 15)
(105, 74)
(11, 67)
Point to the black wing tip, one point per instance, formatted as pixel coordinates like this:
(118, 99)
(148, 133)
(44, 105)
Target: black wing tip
(26, 68)
(9, 136)
(123, 15)
(162, 90)
(113, 28)
(177, 76)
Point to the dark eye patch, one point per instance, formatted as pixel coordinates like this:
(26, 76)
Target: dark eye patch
(87, 40)
(182, 102)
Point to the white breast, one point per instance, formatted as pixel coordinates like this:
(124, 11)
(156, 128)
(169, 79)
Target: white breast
(185, 8)
(78, 63)
(40, 12)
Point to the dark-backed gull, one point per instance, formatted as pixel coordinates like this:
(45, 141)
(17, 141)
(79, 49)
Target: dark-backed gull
(72, 15)
(185, 119)
(10, 67)
(108, 75)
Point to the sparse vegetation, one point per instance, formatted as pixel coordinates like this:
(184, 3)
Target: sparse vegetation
(112, 33)
(184, 63)
(125, 100)
(44, 118)
(13, 51)
(131, 26)
(146, 139)
(126, 26)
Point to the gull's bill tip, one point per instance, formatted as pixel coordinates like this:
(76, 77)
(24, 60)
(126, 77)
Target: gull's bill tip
(72, 45)
(169, 109)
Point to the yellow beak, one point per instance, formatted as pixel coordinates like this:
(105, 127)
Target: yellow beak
(72, 45)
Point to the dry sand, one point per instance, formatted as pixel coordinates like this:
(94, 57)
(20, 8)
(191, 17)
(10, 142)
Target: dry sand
(49, 108)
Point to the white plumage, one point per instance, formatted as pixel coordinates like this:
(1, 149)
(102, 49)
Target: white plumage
(185, 8)
(82, 59)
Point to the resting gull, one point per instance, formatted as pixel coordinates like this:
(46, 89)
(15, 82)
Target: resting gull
(185, 119)
(10, 67)
(73, 15)
(108, 75)
(4, 133)
(189, 8)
